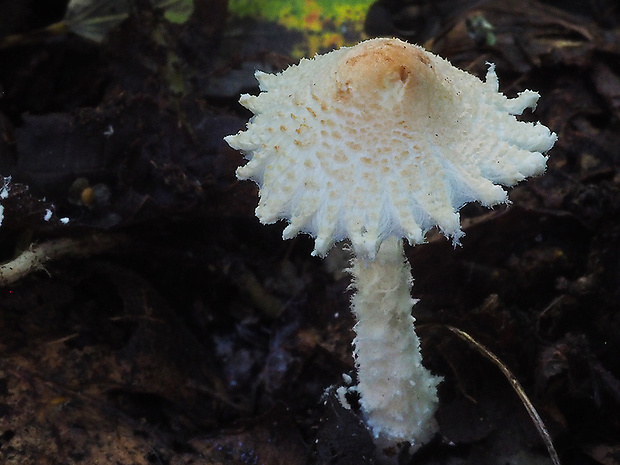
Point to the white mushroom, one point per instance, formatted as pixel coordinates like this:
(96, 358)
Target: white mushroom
(377, 143)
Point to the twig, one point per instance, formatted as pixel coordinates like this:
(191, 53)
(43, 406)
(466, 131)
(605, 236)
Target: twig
(37, 255)
(531, 410)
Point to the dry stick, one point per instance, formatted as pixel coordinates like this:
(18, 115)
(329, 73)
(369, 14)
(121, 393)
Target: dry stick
(531, 410)
(37, 255)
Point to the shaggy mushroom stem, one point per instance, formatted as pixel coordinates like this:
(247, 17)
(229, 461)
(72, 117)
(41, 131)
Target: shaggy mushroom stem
(398, 395)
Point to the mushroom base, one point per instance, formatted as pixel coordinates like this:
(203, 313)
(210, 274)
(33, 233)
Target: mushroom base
(398, 395)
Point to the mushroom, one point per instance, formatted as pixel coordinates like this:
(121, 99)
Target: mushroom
(377, 143)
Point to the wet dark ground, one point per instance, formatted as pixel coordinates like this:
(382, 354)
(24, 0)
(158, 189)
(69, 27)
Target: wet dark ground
(200, 337)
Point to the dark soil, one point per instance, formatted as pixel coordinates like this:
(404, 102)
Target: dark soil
(198, 336)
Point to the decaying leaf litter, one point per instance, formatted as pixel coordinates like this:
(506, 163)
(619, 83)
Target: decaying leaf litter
(200, 337)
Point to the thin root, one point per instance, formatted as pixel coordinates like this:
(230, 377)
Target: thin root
(531, 410)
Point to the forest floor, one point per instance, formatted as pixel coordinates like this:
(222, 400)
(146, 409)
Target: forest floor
(175, 329)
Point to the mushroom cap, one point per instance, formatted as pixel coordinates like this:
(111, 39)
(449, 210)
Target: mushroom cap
(383, 139)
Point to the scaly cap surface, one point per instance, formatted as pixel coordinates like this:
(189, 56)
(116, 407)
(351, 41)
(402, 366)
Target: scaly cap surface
(383, 139)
